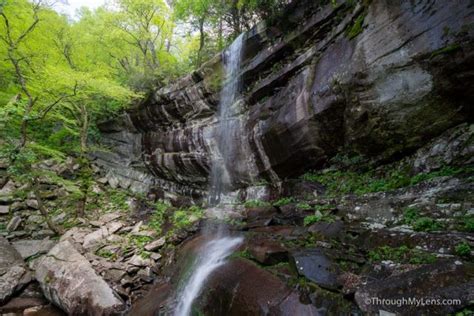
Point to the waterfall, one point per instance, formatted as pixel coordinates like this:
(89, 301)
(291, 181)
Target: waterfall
(214, 253)
(228, 125)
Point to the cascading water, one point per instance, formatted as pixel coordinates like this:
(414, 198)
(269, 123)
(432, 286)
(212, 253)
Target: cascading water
(215, 252)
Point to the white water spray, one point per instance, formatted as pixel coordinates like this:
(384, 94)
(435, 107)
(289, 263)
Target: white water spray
(214, 255)
(216, 251)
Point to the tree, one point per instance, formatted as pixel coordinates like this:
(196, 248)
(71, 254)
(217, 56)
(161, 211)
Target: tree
(54, 88)
(146, 27)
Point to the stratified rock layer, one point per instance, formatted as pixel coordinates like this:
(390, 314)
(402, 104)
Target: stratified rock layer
(316, 84)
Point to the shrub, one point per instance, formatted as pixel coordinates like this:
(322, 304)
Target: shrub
(426, 224)
(303, 206)
(284, 201)
(256, 203)
(463, 249)
(402, 254)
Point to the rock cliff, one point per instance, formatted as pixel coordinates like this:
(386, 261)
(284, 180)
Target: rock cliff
(375, 80)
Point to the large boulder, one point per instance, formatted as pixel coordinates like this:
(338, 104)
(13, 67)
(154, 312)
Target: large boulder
(242, 288)
(14, 274)
(68, 280)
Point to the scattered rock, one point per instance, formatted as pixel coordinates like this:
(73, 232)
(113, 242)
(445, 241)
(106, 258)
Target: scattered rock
(446, 280)
(94, 238)
(110, 217)
(14, 275)
(154, 245)
(43, 233)
(317, 267)
(4, 210)
(32, 203)
(16, 206)
(138, 261)
(68, 280)
(30, 248)
(14, 223)
(267, 251)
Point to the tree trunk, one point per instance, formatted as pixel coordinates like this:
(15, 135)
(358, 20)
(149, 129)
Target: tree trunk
(84, 162)
(201, 40)
(42, 208)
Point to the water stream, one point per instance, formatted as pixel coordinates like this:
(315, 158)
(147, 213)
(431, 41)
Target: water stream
(214, 253)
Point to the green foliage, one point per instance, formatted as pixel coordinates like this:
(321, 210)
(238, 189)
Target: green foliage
(284, 201)
(322, 213)
(465, 312)
(449, 49)
(311, 219)
(242, 254)
(118, 199)
(303, 206)
(469, 224)
(345, 182)
(401, 254)
(157, 218)
(106, 254)
(256, 203)
(463, 249)
(356, 27)
(183, 218)
(426, 224)
(411, 216)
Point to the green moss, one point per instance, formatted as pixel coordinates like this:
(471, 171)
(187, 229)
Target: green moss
(242, 254)
(284, 201)
(446, 50)
(106, 254)
(463, 249)
(345, 182)
(410, 215)
(469, 224)
(356, 27)
(184, 218)
(303, 206)
(158, 217)
(426, 224)
(401, 254)
(256, 203)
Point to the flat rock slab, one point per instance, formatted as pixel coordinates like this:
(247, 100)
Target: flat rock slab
(13, 271)
(30, 248)
(317, 267)
(442, 280)
(4, 209)
(69, 281)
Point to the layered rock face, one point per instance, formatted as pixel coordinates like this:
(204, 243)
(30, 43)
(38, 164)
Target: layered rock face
(376, 80)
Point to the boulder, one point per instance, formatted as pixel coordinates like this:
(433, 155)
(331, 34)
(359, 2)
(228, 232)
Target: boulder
(242, 288)
(267, 251)
(4, 209)
(317, 267)
(32, 203)
(68, 280)
(438, 281)
(14, 274)
(30, 247)
(154, 245)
